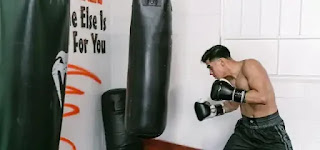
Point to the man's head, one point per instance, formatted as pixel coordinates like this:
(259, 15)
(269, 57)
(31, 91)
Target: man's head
(215, 58)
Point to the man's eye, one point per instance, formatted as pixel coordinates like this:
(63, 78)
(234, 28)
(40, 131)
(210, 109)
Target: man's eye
(208, 66)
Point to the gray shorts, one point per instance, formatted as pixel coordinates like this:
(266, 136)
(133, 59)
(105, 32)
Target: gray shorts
(266, 133)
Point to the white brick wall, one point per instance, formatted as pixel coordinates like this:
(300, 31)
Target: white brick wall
(270, 11)
(250, 16)
(231, 9)
(290, 17)
(299, 57)
(310, 22)
(265, 51)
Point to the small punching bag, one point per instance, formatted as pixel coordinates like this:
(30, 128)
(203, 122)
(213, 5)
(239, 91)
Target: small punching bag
(148, 69)
(113, 105)
(33, 63)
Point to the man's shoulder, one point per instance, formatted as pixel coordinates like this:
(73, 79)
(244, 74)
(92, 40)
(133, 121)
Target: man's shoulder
(251, 64)
(251, 61)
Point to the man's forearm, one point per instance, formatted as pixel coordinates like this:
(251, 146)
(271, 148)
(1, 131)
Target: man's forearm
(230, 106)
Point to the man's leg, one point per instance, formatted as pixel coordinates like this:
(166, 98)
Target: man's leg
(280, 140)
(239, 140)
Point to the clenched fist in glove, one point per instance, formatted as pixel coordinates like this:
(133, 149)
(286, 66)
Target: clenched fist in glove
(223, 90)
(207, 109)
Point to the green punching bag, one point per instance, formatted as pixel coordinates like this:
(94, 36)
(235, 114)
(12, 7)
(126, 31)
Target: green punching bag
(33, 63)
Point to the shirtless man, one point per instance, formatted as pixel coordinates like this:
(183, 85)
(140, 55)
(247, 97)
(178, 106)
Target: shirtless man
(246, 84)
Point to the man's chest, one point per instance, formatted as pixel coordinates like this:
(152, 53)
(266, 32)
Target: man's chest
(240, 83)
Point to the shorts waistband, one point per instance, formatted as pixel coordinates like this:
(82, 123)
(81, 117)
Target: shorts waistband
(262, 122)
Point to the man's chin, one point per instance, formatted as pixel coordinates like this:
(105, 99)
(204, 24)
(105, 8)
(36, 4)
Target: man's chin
(218, 78)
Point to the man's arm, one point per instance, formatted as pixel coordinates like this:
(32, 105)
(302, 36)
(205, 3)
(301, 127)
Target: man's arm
(230, 106)
(258, 83)
(257, 79)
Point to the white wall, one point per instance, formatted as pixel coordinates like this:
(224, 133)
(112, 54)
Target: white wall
(283, 35)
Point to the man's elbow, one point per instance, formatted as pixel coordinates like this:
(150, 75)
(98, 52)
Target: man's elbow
(263, 100)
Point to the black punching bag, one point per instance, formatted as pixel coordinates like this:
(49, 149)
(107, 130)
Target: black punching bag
(148, 69)
(33, 61)
(113, 110)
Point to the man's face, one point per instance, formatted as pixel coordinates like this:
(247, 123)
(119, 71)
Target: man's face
(216, 68)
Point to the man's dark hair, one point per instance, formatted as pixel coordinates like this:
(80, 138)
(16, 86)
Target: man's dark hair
(217, 51)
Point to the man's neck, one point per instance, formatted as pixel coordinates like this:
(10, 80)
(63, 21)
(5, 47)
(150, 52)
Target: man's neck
(235, 68)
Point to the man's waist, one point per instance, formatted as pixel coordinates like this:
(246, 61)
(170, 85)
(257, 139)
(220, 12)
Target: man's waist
(262, 122)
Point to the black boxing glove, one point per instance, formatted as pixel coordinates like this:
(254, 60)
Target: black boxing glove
(205, 110)
(223, 90)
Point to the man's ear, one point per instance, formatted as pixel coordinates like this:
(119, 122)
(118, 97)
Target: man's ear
(222, 61)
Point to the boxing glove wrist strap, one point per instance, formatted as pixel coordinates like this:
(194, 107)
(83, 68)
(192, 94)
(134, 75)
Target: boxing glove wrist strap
(218, 109)
(238, 95)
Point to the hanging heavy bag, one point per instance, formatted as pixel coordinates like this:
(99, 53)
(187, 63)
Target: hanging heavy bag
(113, 109)
(148, 69)
(33, 62)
